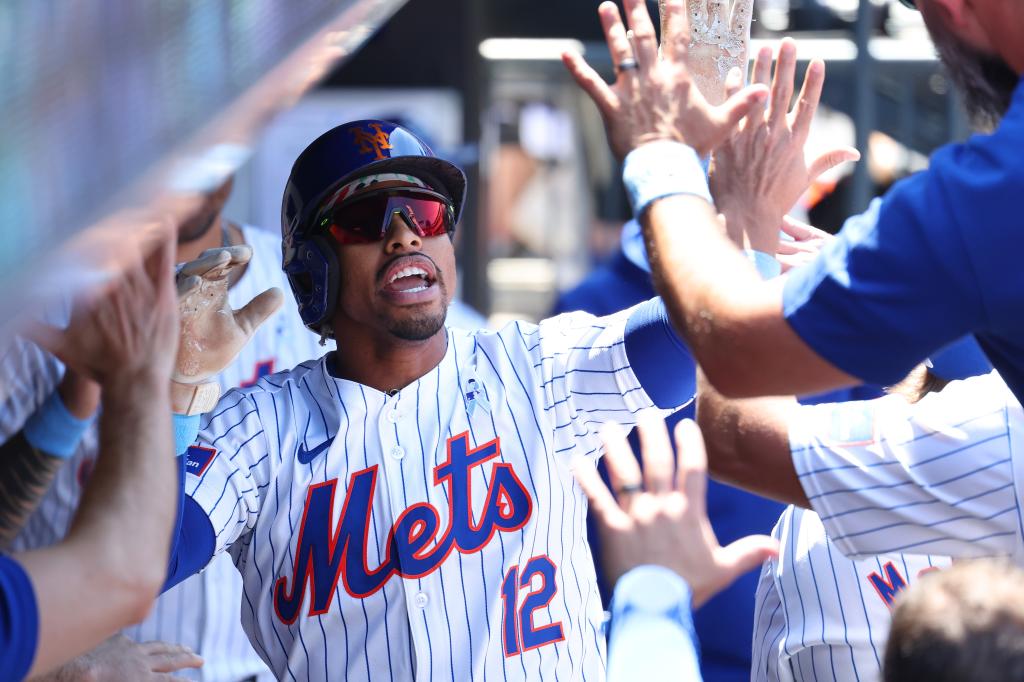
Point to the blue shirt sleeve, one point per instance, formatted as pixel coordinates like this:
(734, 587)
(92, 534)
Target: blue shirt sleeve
(894, 286)
(660, 360)
(652, 635)
(19, 621)
(193, 541)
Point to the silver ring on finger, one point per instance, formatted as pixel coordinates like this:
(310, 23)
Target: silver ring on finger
(629, 488)
(626, 65)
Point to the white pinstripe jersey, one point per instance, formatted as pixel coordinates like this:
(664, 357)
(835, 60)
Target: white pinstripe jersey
(820, 615)
(203, 611)
(433, 534)
(941, 476)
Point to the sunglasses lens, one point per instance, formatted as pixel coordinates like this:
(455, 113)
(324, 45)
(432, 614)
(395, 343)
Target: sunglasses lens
(359, 222)
(365, 220)
(427, 217)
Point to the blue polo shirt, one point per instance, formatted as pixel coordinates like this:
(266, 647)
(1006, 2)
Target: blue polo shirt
(938, 257)
(19, 621)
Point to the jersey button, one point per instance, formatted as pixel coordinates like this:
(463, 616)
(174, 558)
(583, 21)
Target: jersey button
(421, 600)
(393, 416)
(398, 452)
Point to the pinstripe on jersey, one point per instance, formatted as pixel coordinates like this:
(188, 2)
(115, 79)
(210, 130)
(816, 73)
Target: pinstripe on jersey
(820, 615)
(548, 388)
(938, 476)
(203, 611)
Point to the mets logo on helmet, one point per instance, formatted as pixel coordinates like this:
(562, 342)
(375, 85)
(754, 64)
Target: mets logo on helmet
(371, 142)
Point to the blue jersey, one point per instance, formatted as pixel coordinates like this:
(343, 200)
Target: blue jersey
(19, 621)
(938, 257)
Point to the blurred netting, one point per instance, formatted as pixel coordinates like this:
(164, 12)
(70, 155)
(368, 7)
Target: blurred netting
(96, 92)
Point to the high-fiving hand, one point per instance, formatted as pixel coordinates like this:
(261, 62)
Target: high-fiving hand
(660, 516)
(653, 96)
(761, 171)
(211, 332)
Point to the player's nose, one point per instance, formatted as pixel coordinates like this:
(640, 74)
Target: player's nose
(400, 236)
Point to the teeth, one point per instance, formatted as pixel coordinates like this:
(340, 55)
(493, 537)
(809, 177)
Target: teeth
(415, 290)
(412, 271)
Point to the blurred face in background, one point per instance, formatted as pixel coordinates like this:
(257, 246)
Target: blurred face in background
(986, 81)
(197, 226)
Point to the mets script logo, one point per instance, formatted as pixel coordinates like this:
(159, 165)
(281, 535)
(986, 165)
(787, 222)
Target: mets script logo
(371, 142)
(416, 546)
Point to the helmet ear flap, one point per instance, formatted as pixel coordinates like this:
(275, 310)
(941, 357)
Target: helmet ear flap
(315, 282)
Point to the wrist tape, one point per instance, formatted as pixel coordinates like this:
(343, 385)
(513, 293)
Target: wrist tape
(54, 430)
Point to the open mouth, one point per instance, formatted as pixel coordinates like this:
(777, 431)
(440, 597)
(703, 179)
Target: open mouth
(409, 275)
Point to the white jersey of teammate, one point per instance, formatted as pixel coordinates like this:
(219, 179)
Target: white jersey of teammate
(820, 615)
(941, 476)
(203, 611)
(437, 533)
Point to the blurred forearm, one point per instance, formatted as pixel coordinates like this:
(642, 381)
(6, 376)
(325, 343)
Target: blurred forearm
(747, 442)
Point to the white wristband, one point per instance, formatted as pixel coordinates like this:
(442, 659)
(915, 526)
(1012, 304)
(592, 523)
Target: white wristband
(660, 169)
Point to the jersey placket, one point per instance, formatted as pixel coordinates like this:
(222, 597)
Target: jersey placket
(397, 418)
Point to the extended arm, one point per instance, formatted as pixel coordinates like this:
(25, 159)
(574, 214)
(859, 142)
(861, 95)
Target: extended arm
(105, 574)
(32, 457)
(733, 323)
(747, 442)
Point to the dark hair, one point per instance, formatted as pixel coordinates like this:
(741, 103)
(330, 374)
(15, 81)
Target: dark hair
(962, 624)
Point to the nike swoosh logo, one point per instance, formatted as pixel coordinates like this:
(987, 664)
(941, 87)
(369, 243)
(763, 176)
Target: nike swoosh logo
(306, 456)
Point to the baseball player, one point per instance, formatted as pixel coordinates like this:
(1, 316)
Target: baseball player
(404, 507)
(821, 613)
(203, 612)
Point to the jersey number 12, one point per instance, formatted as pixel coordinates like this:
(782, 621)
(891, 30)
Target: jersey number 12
(518, 633)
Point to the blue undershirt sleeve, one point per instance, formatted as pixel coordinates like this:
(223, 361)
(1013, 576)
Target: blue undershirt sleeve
(652, 635)
(896, 284)
(659, 358)
(193, 542)
(19, 621)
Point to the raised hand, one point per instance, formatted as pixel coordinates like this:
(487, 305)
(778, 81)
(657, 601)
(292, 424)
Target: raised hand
(211, 332)
(125, 328)
(660, 516)
(653, 97)
(762, 170)
(719, 36)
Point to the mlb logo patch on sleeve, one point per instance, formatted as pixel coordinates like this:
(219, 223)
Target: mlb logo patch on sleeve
(197, 459)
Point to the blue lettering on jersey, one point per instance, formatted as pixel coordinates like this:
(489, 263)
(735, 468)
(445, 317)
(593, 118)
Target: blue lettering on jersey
(889, 586)
(414, 549)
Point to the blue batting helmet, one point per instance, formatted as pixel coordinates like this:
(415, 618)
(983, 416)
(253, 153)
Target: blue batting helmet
(342, 154)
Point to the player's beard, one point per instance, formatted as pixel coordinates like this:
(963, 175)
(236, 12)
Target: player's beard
(419, 325)
(986, 81)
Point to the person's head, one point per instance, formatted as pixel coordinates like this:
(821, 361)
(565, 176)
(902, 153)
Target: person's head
(962, 624)
(978, 42)
(199, 224)
(368, 217)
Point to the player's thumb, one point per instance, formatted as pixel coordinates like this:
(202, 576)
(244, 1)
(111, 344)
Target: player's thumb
(831, 159)
(739, 104)
(747, 553)
(256, 311)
